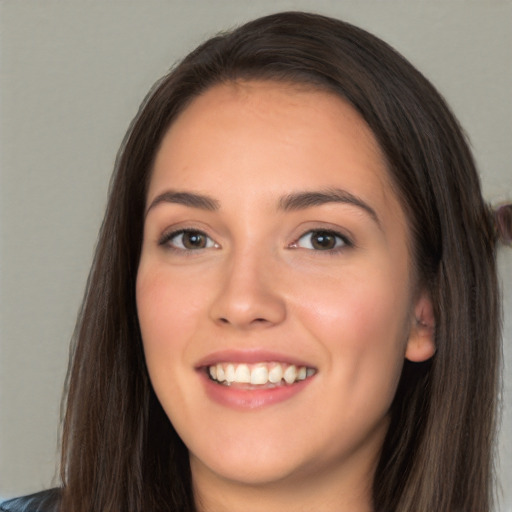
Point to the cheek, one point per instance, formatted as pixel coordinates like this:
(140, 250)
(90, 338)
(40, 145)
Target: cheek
(167, 328)
(161, 297)
(362, 325)
(358, 312)
(164, 329)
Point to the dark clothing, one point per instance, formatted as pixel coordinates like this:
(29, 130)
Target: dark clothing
(44, 501)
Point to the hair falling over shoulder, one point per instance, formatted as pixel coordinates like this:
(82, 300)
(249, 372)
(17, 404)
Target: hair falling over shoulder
(119, 450)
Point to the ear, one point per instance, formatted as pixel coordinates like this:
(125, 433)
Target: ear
(421, 343)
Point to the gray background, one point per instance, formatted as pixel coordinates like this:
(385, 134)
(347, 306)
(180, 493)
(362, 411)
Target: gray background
(72, 75)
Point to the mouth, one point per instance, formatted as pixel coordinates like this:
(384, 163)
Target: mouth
(252, 379)
(260, 375)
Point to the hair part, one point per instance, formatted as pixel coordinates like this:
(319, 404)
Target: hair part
(120, 451)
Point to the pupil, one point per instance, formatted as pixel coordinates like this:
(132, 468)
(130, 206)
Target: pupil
(193, 240)
(324, 241)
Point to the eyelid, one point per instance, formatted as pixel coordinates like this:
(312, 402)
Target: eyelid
(343, 242)
(346, 241)
(169, 235)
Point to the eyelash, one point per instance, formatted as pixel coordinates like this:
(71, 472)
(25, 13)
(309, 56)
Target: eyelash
(166, 240)
(342, 242)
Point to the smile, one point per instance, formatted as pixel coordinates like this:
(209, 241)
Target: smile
(250, 379)
(263, 374)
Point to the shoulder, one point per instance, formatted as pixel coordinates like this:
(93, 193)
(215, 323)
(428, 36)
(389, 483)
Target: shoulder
(44, 501)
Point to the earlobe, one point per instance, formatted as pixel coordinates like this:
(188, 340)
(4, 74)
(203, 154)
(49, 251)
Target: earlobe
(421, 343)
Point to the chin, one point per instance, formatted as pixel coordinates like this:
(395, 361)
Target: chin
(255, 471)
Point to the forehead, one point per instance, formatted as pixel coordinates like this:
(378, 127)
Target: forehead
(271, 137)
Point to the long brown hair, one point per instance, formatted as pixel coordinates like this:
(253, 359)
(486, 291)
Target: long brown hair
(120, 452)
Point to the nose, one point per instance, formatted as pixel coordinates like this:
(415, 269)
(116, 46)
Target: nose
(249, 294)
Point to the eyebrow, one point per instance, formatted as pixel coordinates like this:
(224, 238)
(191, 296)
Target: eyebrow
(290, 202)
(189, 199)
(308, 199)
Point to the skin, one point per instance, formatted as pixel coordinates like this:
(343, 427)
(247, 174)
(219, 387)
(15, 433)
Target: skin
(352, 312)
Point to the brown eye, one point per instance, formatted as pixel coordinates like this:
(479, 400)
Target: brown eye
(193, 240)
(320, 240)
(188, 240)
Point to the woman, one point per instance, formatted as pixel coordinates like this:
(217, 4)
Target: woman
(285, 307)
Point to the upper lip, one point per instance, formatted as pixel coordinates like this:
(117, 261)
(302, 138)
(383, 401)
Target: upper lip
(249, 356)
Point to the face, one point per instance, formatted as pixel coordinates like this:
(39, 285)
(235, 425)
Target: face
(274, 290)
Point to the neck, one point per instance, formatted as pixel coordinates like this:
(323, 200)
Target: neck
(328, 490)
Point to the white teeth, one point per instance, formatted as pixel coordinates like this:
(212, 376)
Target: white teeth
(259, 374)
(221, 375)
(275, 374)
(230, 373)
(242, 374)
(290, 374)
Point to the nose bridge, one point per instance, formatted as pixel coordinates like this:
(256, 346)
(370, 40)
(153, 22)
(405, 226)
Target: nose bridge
(249, 294)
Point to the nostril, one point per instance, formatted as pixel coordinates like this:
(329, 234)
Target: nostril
(223, 320)
(247, 308)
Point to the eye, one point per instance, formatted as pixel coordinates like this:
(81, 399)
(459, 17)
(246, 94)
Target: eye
(187, 240)
(322, 240)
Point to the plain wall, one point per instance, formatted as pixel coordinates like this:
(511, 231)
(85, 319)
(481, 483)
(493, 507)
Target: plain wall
(73, 73)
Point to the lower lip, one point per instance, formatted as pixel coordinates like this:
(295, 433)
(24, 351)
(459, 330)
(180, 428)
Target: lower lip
(237, 398)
